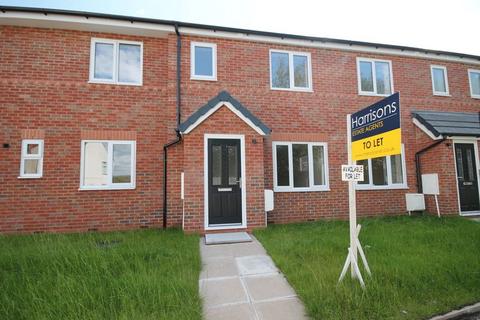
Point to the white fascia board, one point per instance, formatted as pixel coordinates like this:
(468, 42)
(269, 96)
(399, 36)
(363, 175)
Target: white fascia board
(82, 23)
(425, 130)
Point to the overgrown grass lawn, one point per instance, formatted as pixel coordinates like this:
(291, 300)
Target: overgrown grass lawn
(147, 274)
(421, 266)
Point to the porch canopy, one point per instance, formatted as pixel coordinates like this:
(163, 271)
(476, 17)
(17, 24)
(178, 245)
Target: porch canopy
(440, 125)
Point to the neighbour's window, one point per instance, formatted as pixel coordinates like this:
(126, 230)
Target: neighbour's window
(203, 61)
(31, 165)
(474, 77)
(383, 172)
(290, 70)
(439, 80)
(374, 77)
(300, 166)
(108, 165)
(114, 61)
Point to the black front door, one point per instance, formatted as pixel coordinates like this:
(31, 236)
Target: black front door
(467, 177)
(224, 182)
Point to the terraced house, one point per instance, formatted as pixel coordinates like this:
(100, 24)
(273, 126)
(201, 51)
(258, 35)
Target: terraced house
(113, 122)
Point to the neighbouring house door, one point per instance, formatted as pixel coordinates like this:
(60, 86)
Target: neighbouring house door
(467, 177)
(224, 182)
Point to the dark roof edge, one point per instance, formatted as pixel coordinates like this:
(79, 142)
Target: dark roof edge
(235, 30)
(425, 123)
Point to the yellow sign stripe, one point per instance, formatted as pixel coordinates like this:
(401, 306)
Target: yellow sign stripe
(383, 144)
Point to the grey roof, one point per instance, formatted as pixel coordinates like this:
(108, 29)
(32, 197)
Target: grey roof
(223, 96)
(449, 123)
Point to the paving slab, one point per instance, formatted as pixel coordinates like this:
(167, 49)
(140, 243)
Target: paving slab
(219, 267)
(227, 237)
(287, 309)
(223, 291)
(268, 287)
(231, 312)
(259, 264)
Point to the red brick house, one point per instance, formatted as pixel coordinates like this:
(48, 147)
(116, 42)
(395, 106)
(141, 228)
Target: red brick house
(112, 122)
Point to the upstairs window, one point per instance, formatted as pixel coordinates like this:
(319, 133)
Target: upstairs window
(383, 173)
(31, 165)
(474, 78)
(107, 165)
(439, 80)
(374, 77)
(300, 166)
(203, 61)
(114, 61)
(290, 70)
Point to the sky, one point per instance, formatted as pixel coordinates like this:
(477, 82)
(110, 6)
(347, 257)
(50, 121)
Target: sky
(440, 25)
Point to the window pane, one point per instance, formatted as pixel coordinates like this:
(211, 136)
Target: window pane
(280, 70)
(103, 66)
(300, 73)
(232, 165)
(379, 171)
(300, 165)
(33, 148)
(318, 165)
(382, 74)
(31, 166)
(283, 173)
(95, 164)
(366, 77)
(366, 175)
(122, 163)
(475, 80)
(397, 170)
(216, 165)
(439, 80)
(129, 63)
(203, 61)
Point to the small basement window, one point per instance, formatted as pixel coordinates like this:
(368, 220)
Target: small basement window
(31, 164)
(300, 166)
(383, 173)
(374, 77)
(116, 61)
(107, 165)
(203, 61)
(290, 70)
(474, 78)
(439, 80)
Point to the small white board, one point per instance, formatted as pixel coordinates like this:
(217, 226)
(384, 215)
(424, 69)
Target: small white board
(352, 172)
(228, 237)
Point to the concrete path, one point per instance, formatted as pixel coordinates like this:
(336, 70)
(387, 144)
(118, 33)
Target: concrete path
(240, 281)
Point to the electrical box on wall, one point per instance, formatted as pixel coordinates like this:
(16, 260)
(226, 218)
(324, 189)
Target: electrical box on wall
(268, 200)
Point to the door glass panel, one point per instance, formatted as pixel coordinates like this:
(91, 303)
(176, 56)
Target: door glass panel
(459, 162)
(232, 165)
(469, 165)
(397, 170)
(122, 163)
(96, 157)
(379, 171)
(366, 177)
(318, 166)
(216, 165)
(30, 166)
(300, 165)
(283, 173)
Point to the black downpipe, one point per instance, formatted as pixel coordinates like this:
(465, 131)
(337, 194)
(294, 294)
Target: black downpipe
(418, 165)
(178, 138)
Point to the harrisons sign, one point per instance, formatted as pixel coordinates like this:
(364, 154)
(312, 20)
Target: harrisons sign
(376, 129)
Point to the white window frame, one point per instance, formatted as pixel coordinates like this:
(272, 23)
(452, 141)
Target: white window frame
(291, 70)
(25, 156)
(389, 185)
(291, 188)
(194, 76)
(116, 46)
(374, 75)
(111, 186)
(470, 71)
(445, 78)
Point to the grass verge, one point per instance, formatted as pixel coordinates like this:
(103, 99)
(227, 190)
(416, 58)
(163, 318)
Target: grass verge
(421, 266)
(147, 274)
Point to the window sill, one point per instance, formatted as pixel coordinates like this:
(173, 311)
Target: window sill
(475, 97)
(203, 78)
(29, 177)
(301, 189)
(439, 94)
(116, 83)
(309, 90)
(373, 188)
(372, 94)
(106, 188)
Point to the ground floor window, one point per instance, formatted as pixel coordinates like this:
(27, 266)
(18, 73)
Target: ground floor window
(300, 166)
(108, 165)
(384, 172)
(31, 164)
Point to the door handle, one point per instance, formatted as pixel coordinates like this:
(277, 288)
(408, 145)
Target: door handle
(467, 183)
(224, 189)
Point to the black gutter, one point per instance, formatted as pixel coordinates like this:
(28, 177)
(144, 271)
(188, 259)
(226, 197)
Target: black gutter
(178, 138)
(47, 11)
(418, 164)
